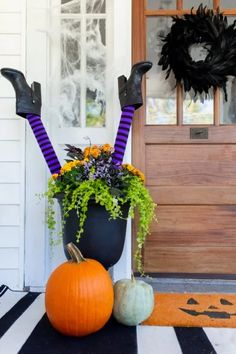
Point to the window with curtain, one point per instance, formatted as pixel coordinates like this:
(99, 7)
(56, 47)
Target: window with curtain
(83, 58)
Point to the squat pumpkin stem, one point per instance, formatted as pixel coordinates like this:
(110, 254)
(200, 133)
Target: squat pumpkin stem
(133, 277)
(76, 255)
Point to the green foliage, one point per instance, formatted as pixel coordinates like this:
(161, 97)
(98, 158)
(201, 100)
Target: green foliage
(135, 193)
(91, 175)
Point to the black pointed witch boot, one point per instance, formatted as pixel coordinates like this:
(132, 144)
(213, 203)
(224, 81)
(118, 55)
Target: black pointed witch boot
(130, 93)
(28, 99)
(28, 105)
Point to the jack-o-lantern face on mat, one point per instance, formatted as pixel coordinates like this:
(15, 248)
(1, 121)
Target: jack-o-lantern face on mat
(212, 311)
(194, 310)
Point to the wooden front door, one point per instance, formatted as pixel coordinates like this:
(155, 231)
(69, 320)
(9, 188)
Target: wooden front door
(187, 151)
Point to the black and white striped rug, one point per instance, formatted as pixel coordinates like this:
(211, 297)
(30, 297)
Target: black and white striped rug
(25, 329)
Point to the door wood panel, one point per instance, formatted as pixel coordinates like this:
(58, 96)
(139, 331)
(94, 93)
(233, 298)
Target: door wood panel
(204, 195)
(193, 181)
(176, 165)
(194, 225)
(153, 134)
(190, 260)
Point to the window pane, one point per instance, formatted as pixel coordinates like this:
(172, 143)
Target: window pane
(95, 73)
(195, 3)
(70, 73)
(161, 4)
(231, 19)
(197, 112)
(70, 6)
(228, 4)
(96, 6)
(161, 96)
(228, 108)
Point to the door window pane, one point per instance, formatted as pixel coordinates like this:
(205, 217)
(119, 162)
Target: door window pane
(70, 73)
(96, 6)
(195, 3)
(161, 94)
(70, 6)
(95, 73)
(228, 109)
(197, 112)
(228, 4)
(161, 4)
(231, 19)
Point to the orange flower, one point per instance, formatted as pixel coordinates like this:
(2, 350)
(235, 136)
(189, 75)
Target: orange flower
(106, 148)
(87, 152)
(93, 151)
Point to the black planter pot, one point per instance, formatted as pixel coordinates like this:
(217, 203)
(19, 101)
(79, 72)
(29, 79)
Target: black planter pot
(102, 239)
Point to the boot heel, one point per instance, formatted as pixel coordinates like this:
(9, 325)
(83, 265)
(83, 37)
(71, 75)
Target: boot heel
(122, 80)
(36, 92)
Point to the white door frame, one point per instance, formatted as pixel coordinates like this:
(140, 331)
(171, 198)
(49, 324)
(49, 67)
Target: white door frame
(38, 264)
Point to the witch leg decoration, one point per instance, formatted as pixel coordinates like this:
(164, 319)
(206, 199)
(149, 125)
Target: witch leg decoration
(130, 95)
(28, 105)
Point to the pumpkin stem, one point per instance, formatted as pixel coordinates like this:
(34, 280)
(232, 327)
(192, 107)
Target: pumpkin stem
(132, 276)
(75, 253)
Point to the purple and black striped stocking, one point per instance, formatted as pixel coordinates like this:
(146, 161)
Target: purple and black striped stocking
(44, 143)
(123, 134)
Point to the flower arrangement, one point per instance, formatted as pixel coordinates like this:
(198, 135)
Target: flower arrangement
(91, 174)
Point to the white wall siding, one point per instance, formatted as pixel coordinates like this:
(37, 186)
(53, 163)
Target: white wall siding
(9, 172)
(9, 61)
(10, 23)
(9, 216)
(12, 147)
(11, 6)
(11, 236)
(10, 150)
(10, 44)
(10, 129)
(8, 105)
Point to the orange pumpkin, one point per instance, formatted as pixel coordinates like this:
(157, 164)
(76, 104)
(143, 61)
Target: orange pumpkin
(79, 295)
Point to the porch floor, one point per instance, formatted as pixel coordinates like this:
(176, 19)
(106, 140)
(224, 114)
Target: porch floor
(182, 285)
(22, 327)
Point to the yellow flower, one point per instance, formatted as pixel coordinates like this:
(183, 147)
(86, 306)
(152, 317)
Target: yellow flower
(140, 175)
(128, 167)
(134, 171)
(78, 162)
(54, 176)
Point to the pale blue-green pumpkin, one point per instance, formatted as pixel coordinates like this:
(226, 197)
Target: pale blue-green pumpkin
(133, 302)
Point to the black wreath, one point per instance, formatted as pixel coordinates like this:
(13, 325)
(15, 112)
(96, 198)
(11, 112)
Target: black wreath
(212, 31)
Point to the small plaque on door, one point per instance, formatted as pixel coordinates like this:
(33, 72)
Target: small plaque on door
(199, 133)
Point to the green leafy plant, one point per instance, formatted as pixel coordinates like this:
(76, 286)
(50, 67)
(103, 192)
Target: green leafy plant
(91, 174)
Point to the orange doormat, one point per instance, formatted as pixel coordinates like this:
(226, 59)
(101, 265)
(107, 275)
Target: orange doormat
(193, 310)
